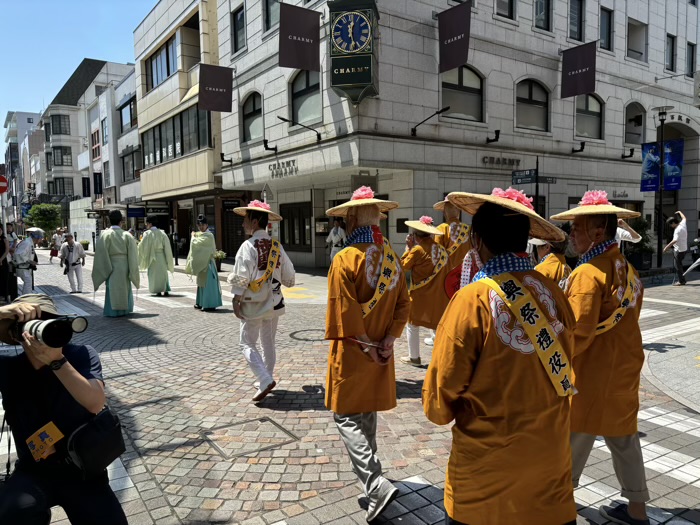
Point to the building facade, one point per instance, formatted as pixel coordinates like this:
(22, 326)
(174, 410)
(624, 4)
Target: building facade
(17, 125)
(510, 84)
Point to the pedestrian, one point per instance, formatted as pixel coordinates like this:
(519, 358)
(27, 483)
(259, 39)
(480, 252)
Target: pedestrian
(56, 241)
(156, 257)
(551, 259)
(500, 370)
(12, 237)
(48, 393)
(72, 257)
(368, 307)
(337, 237)
(25, 261)
(116, 264)
(4, 266)
(605, 293)
(200, 262)
(427, 263)
(261, 268)
(625, 233)
(679, 245)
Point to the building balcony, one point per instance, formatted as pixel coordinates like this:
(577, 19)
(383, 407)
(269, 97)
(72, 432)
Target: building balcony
(84, 161)
(165, 98)
(187, 175)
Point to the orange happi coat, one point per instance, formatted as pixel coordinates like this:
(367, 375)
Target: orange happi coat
(607, 366)
(355, 383)
(427, 302)
(450, 230)
(511, 460)
(554, 266)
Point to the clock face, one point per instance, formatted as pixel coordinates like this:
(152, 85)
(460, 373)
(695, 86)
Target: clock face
(352, 32)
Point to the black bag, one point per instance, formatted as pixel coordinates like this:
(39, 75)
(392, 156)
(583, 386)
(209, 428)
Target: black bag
(96, 444)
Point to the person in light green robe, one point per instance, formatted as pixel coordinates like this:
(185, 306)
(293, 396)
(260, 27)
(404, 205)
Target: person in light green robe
(200, 262)
(116, 264)
(156, 256)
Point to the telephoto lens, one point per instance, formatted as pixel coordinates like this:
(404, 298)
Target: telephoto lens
(55, 333)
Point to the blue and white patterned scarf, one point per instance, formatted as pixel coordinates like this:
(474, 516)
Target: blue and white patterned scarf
(504, 263)
(595, 252)
(363, 234)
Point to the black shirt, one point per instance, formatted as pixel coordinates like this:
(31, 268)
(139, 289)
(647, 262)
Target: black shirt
(32, 398)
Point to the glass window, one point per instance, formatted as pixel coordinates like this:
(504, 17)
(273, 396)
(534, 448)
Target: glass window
(86, 186)
(156, 144)
(172, 55)
(690, 60)
(177, 124)
(106, 174)
(505, 8)
(105, 132)
(95, 144)
(128, 116)
(576, 10)
(47, 131)
(128, 168)
(306, 97)
(63, 186)
(543, 14)
(296, 226)
(670, 52)
(189, 130)
(252, 118)
(462, 90)
(589, 117)
(532, 101)
(60, 124)
(49, 161)
(272, 13)
(97, 182)
(52, 187)
(62, 156)
(634, 123)
(161, 64)
(606, 29)
(203, 128)
(238, 27)
(636, 40)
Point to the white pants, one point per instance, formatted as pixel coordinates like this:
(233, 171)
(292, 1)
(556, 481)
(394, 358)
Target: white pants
(75, 272)
(263, 366)
(413, 336)
(26, 276)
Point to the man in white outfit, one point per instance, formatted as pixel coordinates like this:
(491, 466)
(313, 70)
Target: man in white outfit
(336, 238)
(24, 261)
(261, 268)
(72, 256)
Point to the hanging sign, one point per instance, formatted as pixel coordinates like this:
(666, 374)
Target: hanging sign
(299, 35)
(215, 88)
(578, 70)
(454, 26)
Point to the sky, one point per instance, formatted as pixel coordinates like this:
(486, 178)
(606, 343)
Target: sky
(43, 41)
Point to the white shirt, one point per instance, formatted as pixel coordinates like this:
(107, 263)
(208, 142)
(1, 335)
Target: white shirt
(24, 253)
(73, 255)
(624, 235)
(336, 236)
(680, 235)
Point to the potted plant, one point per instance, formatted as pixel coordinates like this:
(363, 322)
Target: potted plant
(85, 244)
(639, 254)
(219, 255)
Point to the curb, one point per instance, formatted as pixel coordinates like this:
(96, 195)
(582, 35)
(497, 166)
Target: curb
(649, 376)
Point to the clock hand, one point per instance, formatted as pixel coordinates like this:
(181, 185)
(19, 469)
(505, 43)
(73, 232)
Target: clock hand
(351, 27)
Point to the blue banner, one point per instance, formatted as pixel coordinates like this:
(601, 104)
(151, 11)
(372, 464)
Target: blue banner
(673, 165)
(25, 210)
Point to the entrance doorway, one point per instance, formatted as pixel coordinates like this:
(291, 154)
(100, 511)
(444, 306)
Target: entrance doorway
(232, 233)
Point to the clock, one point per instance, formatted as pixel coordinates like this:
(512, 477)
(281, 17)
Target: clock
(352, 32)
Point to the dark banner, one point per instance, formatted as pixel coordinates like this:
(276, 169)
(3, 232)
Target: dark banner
(215, 88)
(673, 165)
(578, 70)
(299, 36)
(454, 26)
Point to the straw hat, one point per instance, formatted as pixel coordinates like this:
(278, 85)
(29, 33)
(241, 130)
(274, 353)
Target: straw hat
(595, 202)
(258, 206)
(513, 200)
(440, 206)
(363, 196)
(424, 224)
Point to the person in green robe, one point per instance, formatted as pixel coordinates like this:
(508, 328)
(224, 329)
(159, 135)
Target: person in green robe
(116, 264)
(200, 262)
(156, 256)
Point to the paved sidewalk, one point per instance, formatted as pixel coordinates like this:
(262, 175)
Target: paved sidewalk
(200, 452)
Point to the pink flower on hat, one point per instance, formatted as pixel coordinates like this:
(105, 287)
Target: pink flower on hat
(426, 220)
(594, 198)
(363, 192)
(259, 204)
(514, 195)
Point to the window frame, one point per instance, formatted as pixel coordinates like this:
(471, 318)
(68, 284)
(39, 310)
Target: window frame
(105, 132)
(586, 111)
(511, 10)
(548, 15)
(95, 145)
(670, 46)
(642, 125)
(161, 64)
(49, 160)
(64, 152)
(465, 89)
(308, 89)
(534, 103)
(60, 125)
(235, 31)
(611, 26)
(293, 212)
(86, 187)
(130, 106)
(581, 27)
(267, 25)
(251, 116)
(691, 66)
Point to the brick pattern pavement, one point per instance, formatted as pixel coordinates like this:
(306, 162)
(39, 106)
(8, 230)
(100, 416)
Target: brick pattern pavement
(174, 374)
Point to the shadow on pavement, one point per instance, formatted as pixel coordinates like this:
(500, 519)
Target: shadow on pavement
(409, 388)
(294, 400)
(661, 348)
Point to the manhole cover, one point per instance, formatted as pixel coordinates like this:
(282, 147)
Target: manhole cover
(311, 336)
(249, 437)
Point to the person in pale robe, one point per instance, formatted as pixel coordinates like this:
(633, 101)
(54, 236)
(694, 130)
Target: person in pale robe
(510, 461)
(336, 238)
(427, 263)
(256, 283)
(116, 265)
(606, 294)
(156, 257)
(551, 259)
(368, 308)
(200, 262)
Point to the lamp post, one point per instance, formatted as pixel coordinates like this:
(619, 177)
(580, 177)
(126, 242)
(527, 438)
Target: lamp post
(662, 113)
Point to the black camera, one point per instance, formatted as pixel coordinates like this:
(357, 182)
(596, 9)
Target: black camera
(55, 333)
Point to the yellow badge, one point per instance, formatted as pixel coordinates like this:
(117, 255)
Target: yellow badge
(41, 443)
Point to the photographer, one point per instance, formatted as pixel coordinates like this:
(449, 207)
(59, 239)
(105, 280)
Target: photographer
(47, 393)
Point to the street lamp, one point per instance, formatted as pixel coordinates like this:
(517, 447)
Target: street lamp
(662, 113)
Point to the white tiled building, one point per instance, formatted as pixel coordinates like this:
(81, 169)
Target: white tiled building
(511, 83)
